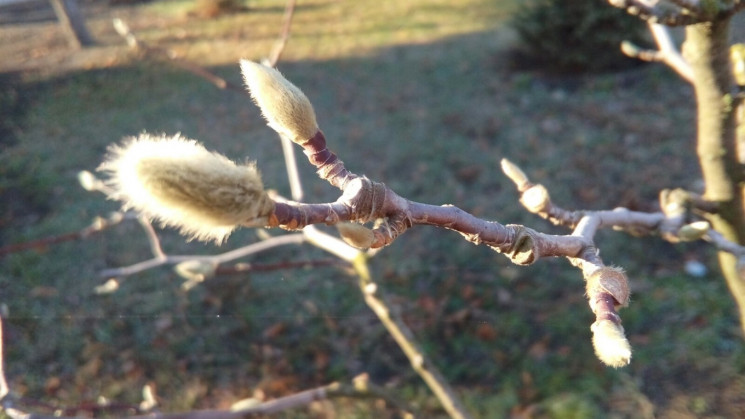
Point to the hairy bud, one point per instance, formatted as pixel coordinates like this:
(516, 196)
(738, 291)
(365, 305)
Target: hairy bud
(178, 182)
(610, 343)
(285, 107)
(516, 175)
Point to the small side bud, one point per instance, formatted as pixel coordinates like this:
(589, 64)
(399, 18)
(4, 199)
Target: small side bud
(194, 272)
(285, 107)
(88, 181)
(356, 235)
(245, 404)
(693, 231)
(178, 182)
(536, 199)
(107, 287)
(610, 343)
(611, 280)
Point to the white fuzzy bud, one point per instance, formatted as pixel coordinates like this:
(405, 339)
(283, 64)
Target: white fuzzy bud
(285, 107)
(178, 182)
(611, 345)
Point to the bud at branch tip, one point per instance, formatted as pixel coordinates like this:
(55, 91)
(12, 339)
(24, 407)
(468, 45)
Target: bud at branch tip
(611, 345)
(178, 182)
(516, 175)
(285, 107)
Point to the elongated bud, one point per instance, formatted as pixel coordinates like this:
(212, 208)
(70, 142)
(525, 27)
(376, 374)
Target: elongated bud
(356, 235)
(610, 343)
(693, 231)
(516, 175)
(285, 107)
(88, 181)
(178, 182)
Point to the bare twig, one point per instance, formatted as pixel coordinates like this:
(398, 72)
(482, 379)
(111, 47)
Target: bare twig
(123, 30)
(239, 268)
(406, 341)
(279, 47)
(216, 259)
(98, 225)
(3, 382)
(360, 388)
(667, 52)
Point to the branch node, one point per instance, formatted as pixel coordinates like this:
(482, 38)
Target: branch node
(523, 250)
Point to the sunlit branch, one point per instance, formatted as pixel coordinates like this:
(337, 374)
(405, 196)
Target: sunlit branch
(659, 12)
(667, 52)
(216, 259)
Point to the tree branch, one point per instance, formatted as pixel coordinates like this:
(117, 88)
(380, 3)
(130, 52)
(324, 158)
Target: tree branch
(661, 12)
(279, 46)
(216, 259)
(407, 342)
(667, 53)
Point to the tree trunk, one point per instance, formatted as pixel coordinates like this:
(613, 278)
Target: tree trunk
(707, 50)
(72, 21)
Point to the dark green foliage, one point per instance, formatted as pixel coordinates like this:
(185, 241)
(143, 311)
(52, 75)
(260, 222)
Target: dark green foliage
(574, 35)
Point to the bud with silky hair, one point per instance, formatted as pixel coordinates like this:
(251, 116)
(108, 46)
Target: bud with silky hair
(178, 182)
(285, 107)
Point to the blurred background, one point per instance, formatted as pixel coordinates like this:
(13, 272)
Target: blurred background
(424, 95)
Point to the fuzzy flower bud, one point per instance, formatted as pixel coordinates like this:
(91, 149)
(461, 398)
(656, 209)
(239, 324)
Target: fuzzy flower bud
(285, 107)
(178, 182)
(610, 344)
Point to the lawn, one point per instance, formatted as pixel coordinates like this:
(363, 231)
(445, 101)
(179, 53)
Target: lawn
(421, 95)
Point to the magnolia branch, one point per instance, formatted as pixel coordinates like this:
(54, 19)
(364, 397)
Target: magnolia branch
(328, 166)
(396, 327)
(667, 52)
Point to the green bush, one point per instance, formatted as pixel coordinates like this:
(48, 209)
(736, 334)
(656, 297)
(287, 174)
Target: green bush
(575, 35)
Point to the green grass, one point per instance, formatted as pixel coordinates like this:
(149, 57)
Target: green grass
(418, 95)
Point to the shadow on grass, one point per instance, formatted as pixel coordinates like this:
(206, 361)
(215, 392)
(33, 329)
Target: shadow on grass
(432, 121)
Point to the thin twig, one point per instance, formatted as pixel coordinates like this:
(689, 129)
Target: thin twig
(152, 237)
(359, 389)
(263, 267)
(3, 382)
(667, 53)
(98, 225)
(405, 339)
(279, 46)
(124, 31)
(216, 259)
